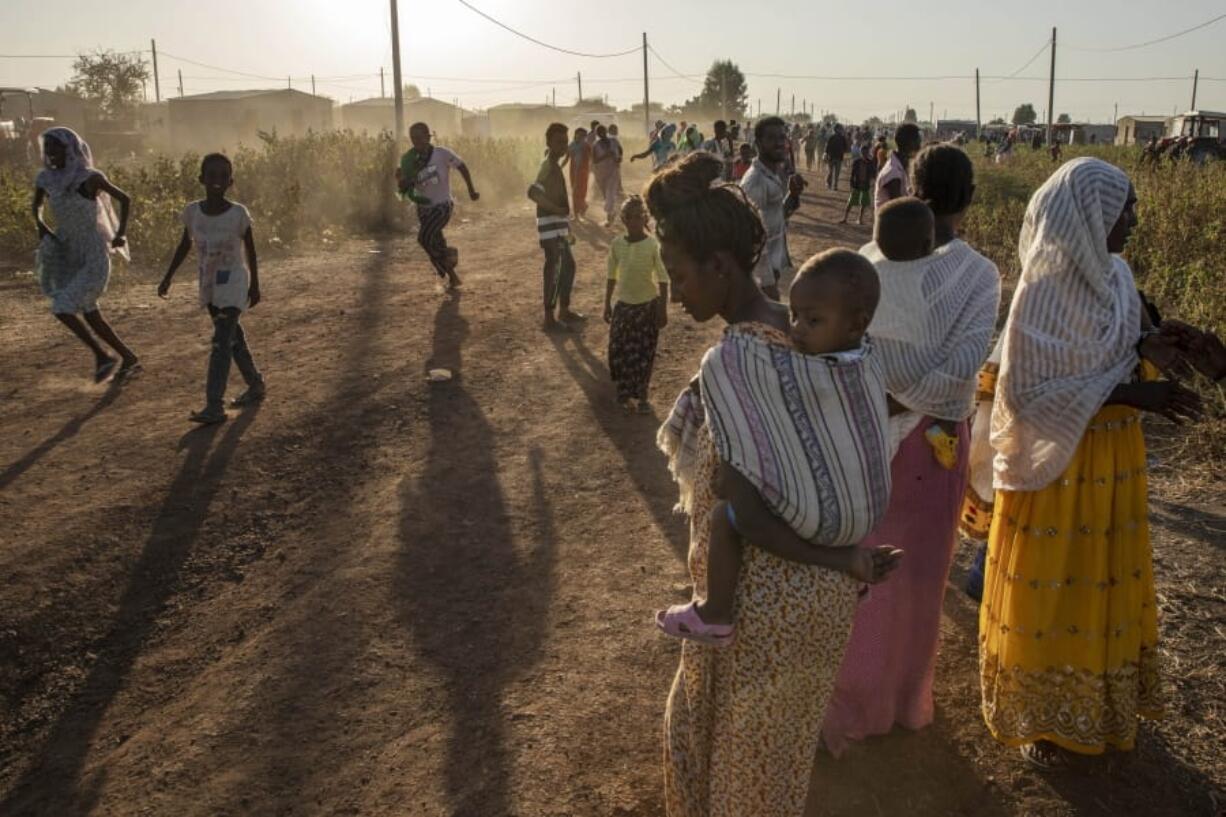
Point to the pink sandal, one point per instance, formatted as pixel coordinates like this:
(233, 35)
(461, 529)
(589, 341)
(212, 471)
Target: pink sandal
(683, 621)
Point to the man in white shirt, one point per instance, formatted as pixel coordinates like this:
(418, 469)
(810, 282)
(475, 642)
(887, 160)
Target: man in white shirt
(722, 148)
(775, 198)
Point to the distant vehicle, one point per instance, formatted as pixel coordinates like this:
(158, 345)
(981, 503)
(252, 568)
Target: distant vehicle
(1198, 136)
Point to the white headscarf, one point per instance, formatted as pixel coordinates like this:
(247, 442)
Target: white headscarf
(1072, 329)
(78, 166)
(78, 161)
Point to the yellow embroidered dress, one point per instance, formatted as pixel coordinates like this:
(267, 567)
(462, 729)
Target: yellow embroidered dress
(1068, 628)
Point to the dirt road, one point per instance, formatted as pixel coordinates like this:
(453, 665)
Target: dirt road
(376, 595)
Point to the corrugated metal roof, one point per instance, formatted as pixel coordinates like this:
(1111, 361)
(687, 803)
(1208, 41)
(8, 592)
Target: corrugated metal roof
(223, 96)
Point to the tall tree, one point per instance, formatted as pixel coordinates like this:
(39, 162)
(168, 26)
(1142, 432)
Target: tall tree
(1025, 115)
(114, 81)
(1064, 119)
(724, 85)
(910, 116)
(411, 91)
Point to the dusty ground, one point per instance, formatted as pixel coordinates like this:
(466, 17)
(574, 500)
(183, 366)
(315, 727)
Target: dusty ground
(378, 596)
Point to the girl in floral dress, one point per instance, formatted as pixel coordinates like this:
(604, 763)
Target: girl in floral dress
(74, 260)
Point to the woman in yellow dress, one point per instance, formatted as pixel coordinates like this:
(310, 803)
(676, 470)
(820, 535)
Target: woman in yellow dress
(1068, 627)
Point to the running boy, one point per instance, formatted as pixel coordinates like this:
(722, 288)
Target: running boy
(548, 192)
(832, 302)
(229, 284)
(424, 177)
(638, 277)
(863, 171)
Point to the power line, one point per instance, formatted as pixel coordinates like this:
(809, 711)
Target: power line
(1147, 43)
(541, 43)
(678, 74)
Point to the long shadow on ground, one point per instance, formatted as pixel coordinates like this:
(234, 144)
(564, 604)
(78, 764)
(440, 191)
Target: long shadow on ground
(475, 604)
(152, 582)
(635, 438)
(70, 429)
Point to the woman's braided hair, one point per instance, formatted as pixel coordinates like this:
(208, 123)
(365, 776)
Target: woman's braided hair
(695, 210)
(943, 176)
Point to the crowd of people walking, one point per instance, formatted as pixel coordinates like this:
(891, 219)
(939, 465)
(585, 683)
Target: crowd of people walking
(825, 444)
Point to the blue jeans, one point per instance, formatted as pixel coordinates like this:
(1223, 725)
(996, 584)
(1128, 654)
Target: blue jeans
(229, 343)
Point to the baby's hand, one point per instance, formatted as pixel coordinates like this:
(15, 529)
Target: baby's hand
(872, 566)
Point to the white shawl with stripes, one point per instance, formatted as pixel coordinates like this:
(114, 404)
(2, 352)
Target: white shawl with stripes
(809, 432)
(1072, 329)
(933, 327)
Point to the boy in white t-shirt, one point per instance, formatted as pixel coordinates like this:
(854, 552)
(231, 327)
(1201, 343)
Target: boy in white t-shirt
(424, 177)
(229, 284)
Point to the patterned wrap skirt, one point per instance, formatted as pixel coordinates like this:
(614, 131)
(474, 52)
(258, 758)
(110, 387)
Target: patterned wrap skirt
(1068, 628)
(742, 722)
(633, 337)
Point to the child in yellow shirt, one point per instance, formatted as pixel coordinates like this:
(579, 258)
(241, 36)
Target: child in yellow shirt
(640, 282)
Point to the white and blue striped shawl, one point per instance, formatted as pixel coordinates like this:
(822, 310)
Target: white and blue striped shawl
(809, 432)
(1072, 329)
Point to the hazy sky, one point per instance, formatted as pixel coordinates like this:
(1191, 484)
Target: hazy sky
(446, 47)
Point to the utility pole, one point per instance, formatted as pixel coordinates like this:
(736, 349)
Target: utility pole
(180, 82)
(978, 121)
(553, 96)
(931, 116)
(157, 85)
(579, 76)
(382, 91)
(1051, 86)
(1195, 82)
(778, 100)
(312, 85)
(646, 91)
(397, 83)
(723, 86)
(1117, 114)
(793, 105)
(289, 82)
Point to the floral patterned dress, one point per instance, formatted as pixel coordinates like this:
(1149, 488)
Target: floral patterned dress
(743, 721)
(83, 265)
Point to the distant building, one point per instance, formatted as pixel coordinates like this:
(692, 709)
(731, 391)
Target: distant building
(379, 114)
(1082, 133)
(227, 118)
(65, 109)
(519, 119)
(1134, 130)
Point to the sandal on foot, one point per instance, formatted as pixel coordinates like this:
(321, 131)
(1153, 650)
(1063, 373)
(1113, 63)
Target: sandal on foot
(944, 446)
(1044, 755)
(129, 370)
(207, 418)
(104, 369)
(683, 621)
(250, 397)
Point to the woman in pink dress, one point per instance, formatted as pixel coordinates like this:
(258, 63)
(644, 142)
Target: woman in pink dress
(933, 329)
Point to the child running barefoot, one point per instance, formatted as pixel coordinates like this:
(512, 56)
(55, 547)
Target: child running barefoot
(74, 261)
(637, 275)
(906, 231)
(832, 302)
(229, 284)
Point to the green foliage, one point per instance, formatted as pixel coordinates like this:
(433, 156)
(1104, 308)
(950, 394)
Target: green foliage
(910, 115)
(301, 191)
(1063, 119)
(113, 80)
(725, 84)
(1025, 115)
